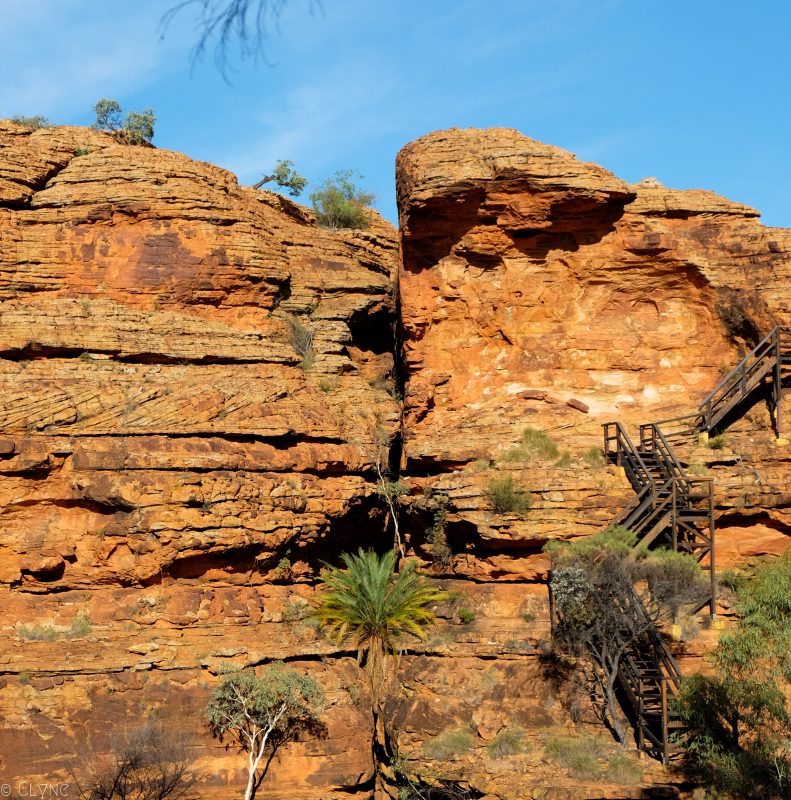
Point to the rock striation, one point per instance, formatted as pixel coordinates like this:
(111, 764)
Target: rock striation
(538, 290)
(197, 385)
(193, 379)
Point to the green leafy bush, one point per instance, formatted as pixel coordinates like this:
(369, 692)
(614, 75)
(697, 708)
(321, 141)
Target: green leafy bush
(39, 633)
(536, 445)
(466, 616)
(139, 126)
(716, 442)
(505, 496)
(731, 579)
(136, 128)
(449, 744)
(340, 203)
(624, 771)
(594, 457)
(508, 742)
(80, 627)
(437, 536)
(283, 571)
(580, 755)
(564, 460)
(32, 123)
(738, 715)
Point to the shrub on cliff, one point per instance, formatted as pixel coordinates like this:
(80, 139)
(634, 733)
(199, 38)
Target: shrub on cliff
(286, 177)
(136, 128)
(32, 123)
(340, 203)
(506, 496)
(739, 715)
(536, 445)
(259, 714)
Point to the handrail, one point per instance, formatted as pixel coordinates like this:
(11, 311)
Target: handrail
(740, 367)
(647, 672)
(652, 435)
(667, 501)
(736, 384)
(744, 377)
(623, 444)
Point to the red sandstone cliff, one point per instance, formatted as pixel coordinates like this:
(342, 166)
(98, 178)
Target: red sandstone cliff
(173, 469)
(537, 289)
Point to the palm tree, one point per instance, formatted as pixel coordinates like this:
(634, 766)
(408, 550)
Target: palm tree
(377, 608)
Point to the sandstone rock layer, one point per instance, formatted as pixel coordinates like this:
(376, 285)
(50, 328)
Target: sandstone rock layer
(197, 384)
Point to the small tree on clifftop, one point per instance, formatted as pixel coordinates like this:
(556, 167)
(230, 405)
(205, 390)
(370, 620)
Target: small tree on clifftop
(340, 203)
(285, 176)
(136, 128)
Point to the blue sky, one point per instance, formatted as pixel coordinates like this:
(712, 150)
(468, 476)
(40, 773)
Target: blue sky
(693, 92)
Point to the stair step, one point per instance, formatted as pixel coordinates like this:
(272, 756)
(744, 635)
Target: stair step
(649, 677)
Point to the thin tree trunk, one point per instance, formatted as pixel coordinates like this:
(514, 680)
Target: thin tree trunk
(248, 792)
(612, 707)
(263, 180)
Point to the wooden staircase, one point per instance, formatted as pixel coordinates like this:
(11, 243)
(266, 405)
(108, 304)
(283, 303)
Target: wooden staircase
(649, 678)
(675, 510)
(768, 363)
(671, 508)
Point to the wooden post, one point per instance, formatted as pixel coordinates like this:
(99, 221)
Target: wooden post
(674, 518)
(640, 721)
(712, 574)
(778, 386)
(663, 695)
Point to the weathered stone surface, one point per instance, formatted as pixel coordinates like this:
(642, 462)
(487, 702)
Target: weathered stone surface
(537, 289)
(171, 439)
(175, 464)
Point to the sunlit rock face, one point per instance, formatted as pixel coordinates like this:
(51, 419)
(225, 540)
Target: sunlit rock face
(174, 465)
(539, 290)
(196, 383)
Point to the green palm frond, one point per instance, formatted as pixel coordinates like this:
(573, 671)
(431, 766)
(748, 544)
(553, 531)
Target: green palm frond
(369, 602)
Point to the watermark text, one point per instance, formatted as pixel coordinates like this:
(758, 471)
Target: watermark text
(37, 791)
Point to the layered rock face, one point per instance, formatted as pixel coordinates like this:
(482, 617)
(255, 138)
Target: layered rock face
(197, 384)
(538, 290)
(193, 378)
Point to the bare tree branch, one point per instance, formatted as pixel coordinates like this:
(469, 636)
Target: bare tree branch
(223, 23)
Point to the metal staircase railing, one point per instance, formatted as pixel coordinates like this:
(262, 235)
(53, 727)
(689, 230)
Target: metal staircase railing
(650, 677)
(670, 507)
